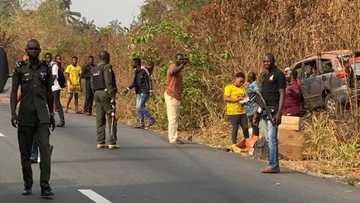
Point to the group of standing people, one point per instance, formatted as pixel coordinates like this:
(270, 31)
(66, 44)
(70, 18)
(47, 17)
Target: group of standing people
(69, 77)
(282, 96)
(41, 83)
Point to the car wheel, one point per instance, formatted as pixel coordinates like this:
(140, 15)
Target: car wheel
(331, 105)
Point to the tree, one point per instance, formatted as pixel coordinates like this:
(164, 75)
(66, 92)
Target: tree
(71, 17)
(154, 11)
(8, 6)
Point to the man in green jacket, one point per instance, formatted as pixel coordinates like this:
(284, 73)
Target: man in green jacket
(104, 85)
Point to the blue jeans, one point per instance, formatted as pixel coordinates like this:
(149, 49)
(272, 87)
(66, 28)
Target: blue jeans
(271, 135)
(141, 109)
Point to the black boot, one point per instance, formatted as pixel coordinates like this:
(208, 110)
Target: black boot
(27, 191)
(46, 192)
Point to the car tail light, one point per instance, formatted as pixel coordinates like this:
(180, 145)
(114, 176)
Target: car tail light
(341, 74)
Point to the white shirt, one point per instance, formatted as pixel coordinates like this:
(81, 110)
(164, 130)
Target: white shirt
(54, 70)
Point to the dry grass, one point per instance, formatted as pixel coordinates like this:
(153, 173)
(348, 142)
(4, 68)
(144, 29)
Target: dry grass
(326, 142)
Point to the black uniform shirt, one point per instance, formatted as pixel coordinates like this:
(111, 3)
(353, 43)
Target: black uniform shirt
(35, 81)
(86, 71)
(271, 82)
(103, 78)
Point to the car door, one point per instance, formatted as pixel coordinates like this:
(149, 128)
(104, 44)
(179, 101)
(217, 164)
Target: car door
(355, 66)
(312, 86)
(334, 78)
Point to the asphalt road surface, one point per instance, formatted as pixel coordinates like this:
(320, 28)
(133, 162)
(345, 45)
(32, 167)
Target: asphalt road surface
(148, 169)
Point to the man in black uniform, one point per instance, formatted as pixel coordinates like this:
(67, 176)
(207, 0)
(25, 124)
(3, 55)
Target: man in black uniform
(35, 115)
(86, 74)
(104, 85)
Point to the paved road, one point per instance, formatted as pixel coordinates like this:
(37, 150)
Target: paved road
(148, 169)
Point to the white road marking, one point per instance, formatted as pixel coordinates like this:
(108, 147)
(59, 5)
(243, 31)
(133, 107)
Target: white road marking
(2, 135)
(94, 196)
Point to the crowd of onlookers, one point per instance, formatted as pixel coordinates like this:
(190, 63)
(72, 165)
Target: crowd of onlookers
(281, 92)
(258, 100)
(70, 78)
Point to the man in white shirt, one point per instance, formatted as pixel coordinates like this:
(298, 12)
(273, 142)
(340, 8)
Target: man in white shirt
(56, 88)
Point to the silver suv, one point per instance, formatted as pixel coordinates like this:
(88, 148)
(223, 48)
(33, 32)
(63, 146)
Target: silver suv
(325, 79)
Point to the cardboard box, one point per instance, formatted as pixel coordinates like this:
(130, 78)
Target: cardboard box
(291, 139)
(290, 123)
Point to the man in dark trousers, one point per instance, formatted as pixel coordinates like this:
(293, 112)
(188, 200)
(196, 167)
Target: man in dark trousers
(34, 154)
(89, 95)
(143, 88)
(56, 88)
(35, 115)
(272, 89)
(104, 85)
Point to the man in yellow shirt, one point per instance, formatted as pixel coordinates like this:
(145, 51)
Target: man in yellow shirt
(73, 72)
(235, 99)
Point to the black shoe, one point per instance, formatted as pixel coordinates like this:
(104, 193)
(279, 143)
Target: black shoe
(27, 192)
(61, 125)
(46, 192)
(139, 126)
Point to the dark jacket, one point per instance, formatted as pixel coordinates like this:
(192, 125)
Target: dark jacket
(35, 81)
(142, 82)
(86, 71)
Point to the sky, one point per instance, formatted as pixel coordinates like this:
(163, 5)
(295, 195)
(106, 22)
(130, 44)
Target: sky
(104, 11)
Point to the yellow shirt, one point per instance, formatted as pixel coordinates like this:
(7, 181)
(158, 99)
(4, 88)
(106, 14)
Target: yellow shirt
(74, 74)
(234, 92)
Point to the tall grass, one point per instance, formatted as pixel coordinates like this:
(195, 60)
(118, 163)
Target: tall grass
(336, 143)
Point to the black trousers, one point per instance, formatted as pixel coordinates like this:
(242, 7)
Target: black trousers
(58, 106)
(236, 121)
(89, 96)
(26, 136)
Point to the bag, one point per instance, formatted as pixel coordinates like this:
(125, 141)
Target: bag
(61, 78)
